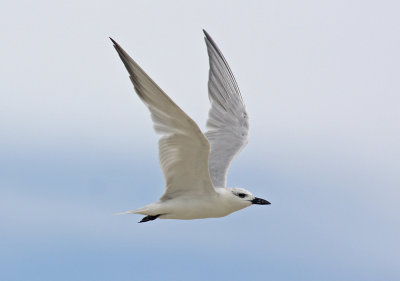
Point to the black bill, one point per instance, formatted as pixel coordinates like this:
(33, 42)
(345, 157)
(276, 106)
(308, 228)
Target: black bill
(259, 201)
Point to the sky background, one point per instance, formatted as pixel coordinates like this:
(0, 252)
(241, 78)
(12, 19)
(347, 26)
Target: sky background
(321, 83)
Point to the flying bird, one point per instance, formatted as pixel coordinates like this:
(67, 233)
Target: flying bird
(194, 164)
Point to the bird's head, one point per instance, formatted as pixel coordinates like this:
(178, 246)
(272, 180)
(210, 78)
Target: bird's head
(244, 197)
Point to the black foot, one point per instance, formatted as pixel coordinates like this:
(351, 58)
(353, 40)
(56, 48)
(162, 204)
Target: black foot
(149, 218)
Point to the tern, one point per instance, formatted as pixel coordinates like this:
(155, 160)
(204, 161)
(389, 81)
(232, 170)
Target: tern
(194, 164)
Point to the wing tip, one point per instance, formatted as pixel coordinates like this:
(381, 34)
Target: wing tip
(117, 46)
(208, 38)
(211, 41)
(112, 40)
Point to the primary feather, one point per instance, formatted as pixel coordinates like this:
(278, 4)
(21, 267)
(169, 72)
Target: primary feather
(227, 120)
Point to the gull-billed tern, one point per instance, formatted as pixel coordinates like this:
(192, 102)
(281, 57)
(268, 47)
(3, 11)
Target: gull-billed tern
(194, 164)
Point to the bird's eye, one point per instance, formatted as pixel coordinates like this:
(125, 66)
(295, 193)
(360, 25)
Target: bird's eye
(242, 195)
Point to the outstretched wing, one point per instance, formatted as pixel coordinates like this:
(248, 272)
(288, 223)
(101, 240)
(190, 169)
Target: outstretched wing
(183, 149)
(227, 119)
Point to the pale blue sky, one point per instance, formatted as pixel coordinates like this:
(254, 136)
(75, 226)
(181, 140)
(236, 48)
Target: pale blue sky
(321, 83)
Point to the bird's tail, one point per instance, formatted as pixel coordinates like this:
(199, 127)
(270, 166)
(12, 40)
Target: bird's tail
(124, 213)
(146, 210)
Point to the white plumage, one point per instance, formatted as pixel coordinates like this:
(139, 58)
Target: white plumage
(195, 165)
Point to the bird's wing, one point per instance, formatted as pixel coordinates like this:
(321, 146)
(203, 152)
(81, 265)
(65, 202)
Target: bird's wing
(183, 149)
(227, 119)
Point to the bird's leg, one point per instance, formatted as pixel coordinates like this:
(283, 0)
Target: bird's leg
(149, 218)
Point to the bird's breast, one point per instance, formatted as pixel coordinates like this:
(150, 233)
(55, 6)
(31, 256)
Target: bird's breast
(195, 208)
